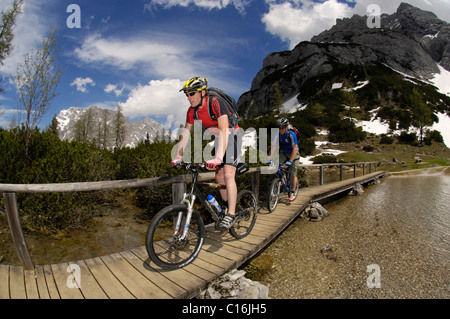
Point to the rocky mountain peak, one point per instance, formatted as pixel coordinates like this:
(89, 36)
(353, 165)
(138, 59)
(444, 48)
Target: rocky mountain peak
(410, 41)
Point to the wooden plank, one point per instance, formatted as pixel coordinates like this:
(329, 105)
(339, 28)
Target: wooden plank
(197, 268)
(223, 250)
(230, 241)
(113, 288)
(90, 288)
(133, 280)
(30, 284)
(17, 283)
(185, 279)
(51, 284)
(151, 274)
(215, 262)
(4, 282)
(61, 275)
(41, 283)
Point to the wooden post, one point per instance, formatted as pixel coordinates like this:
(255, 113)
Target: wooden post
(354, 170)
(341, 173)
(321, 175)
(178, 189)
(16, 230)
(255, 185)
(364, 168)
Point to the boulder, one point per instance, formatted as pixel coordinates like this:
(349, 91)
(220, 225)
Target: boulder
(357, 190)
(315, 212)
(234, 285)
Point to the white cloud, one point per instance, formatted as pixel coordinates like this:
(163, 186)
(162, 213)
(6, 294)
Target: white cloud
(113, 88)
(158, 55)
(240, 5)
(163, 57)
(82, 84)
(158, 98)
(294, 21)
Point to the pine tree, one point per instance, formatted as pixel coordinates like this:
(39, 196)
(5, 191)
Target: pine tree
(52, 129)
(119, 127)
(421, 112)
(277, 97)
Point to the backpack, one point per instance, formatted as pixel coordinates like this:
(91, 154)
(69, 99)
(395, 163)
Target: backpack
(230, 103)
(296, 132)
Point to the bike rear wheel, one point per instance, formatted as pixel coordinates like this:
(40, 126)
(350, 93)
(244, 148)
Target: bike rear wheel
(274, 194)
(165, 244)
(246, 209)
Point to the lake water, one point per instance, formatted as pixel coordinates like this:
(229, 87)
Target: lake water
(391, 242)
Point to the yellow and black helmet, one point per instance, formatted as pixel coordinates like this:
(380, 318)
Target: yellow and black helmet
(195, 84)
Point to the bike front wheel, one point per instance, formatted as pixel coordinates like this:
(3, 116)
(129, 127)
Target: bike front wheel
(274, 194)
(165, 244)
(246, 209)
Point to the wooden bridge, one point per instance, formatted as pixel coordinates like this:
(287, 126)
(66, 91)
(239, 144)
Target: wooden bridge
(130, 274)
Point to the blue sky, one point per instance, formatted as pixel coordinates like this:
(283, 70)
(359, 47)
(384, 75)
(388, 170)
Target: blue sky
(140, 52)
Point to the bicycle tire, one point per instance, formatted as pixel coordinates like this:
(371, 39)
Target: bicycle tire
(274, 194)
(246, 210)
(164, 248)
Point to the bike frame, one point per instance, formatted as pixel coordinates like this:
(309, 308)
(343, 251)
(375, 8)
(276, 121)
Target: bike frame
(189, 200)
(283, 172)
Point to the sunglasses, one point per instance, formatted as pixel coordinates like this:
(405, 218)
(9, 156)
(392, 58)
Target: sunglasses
(191, 93)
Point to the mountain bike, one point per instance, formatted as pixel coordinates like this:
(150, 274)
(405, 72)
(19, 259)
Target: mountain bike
(177, 232)
(281, 183)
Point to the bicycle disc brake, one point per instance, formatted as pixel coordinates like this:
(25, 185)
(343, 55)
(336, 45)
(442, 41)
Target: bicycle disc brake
(180, 243)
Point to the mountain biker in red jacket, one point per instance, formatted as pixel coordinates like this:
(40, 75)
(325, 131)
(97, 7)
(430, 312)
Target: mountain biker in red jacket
(227, 144)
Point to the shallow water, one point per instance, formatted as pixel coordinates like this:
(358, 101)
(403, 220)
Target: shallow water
(397, 232)
(115, 230)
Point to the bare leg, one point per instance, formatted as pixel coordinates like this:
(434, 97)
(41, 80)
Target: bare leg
(226, 175)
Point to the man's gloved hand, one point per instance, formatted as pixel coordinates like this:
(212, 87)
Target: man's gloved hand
(288, 163)
(269, 162)
(212, 164)
(176, 161)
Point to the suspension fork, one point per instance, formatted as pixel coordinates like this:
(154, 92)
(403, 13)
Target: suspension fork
(179, 218)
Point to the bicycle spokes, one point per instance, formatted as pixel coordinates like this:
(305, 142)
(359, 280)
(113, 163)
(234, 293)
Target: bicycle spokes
(166, 242)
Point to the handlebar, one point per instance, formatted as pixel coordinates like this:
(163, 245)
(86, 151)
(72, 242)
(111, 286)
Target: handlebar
(191, 166)
(240, 169)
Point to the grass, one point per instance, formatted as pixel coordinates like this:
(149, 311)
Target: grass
(405, 155)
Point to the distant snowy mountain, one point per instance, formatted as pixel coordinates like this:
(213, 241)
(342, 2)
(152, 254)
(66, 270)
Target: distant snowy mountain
(99, 125)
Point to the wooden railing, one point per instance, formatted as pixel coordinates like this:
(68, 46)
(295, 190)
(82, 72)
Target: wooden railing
(178, 187)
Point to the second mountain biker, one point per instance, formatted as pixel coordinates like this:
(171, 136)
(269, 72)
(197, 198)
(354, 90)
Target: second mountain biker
(289, 151)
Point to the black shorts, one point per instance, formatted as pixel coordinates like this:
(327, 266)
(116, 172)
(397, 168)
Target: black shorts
(232, 154)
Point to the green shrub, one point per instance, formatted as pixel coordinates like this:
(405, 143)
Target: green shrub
(324, 158)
